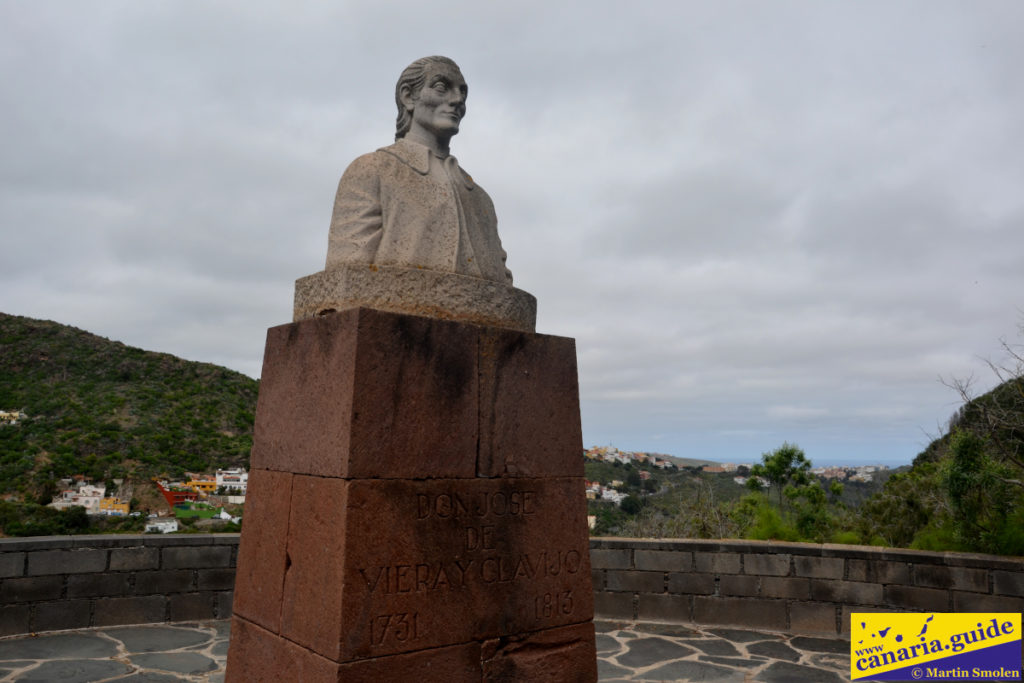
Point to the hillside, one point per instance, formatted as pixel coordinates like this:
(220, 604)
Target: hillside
(106, 410)
(964, 491)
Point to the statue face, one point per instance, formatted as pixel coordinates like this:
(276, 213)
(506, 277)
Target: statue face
(441, 102)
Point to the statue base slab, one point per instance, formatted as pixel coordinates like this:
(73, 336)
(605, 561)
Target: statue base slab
(416, 507)
(415, 291)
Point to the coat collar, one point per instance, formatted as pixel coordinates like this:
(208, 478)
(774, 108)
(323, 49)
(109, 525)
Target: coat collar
(417, 157)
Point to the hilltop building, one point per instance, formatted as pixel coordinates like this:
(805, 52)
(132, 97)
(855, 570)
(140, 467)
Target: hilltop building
(202, 483)
(176, 493)
(612, 454)
(82, 495)
(114, 507)
(233, 480)
(11, 417)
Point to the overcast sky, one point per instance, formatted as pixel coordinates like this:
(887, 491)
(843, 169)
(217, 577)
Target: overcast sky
(761, 221)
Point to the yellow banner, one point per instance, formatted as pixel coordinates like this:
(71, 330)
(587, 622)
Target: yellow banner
(935, 646)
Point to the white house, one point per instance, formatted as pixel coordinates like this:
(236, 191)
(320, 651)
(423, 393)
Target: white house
(234, 480)
(86, 496)
(163, 526)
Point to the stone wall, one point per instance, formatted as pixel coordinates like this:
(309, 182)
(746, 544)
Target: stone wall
(49, 584)
(791, 587)
(66, 582)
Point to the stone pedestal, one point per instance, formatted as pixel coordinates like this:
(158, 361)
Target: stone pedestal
(416, 507)
(415, 291)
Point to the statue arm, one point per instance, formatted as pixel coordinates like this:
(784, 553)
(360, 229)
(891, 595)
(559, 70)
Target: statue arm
(357, 223)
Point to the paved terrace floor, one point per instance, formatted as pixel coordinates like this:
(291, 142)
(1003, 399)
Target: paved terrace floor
(170, 653)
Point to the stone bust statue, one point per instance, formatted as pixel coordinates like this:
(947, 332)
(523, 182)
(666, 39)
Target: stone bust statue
(411, 231)
(411, 204)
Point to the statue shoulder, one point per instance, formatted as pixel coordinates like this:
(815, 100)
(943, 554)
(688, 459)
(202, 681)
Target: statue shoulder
(367, 166)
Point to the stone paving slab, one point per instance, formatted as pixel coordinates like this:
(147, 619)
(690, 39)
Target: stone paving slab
(159, 653)
(165, 653)
(659, 652)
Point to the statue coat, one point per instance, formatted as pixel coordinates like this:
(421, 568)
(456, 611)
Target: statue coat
(404, 206)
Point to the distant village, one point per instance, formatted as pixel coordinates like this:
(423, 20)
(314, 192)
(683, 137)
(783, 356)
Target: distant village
(190, 497)
(613, 454)
(612, 492)
(230, 484)
(861, 473)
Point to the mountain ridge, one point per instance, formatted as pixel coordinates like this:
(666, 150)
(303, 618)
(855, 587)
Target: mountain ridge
(107, 410)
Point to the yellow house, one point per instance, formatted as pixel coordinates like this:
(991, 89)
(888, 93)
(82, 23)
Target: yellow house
(113, 506)
(203, 485)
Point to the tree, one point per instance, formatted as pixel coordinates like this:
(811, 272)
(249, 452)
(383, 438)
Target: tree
(983, 467)
(785, 466)
(631, 505)
(980, 496)
(998, 416)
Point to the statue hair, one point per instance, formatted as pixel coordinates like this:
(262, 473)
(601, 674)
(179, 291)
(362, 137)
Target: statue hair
(413, 77)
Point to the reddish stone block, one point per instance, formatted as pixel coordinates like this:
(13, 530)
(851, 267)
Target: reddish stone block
(529, 405)
(558, 655)
(420, 564)
(449, 664)
(314, 574)
(304, 409)
(256, 655)
(363, 393)
(415, 408)
(416, 496)
(433, 563)
(262, 549)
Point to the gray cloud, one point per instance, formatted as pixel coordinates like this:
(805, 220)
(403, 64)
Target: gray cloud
(761, 221)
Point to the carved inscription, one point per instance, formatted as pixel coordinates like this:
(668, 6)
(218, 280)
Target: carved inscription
(400, 627)
(551, 605)
(485, 504)
(430, 576)
(480, 552)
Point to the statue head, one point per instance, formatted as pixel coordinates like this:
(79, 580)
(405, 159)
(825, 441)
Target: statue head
(410, 86)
